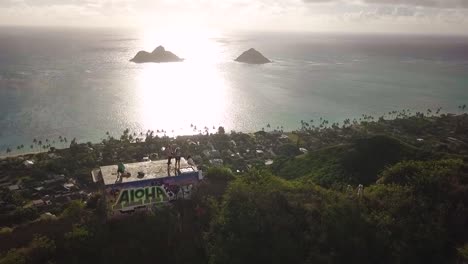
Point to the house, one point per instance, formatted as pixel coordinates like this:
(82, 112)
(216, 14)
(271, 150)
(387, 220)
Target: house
(191, 143)
(303, 150)
(69, 186)
(38, 203)
(233, 143)
(211, 153)
(14, 187)
(217, 162)
(53, 156)
(28, 163)
(48, 215)
(39, 188)
(60, 177)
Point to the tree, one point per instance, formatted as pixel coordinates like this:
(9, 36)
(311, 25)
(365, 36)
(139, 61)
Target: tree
(256, 224)
(77, 239)
(14, 256)
(75, 210)
(218, 180)
(288, 150)
(463, 252)
(221, 130)
(41, 249)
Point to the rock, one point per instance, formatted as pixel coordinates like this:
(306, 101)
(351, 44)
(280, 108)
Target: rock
(252, 56)
(159, 55)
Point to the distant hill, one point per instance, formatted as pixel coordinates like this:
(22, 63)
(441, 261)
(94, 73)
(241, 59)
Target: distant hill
(159, 55)
(252, 56)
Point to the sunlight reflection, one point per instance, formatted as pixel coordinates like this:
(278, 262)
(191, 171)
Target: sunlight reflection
(172, 96)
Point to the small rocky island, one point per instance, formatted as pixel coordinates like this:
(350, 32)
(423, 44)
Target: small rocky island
(252, 56)
(159, 55)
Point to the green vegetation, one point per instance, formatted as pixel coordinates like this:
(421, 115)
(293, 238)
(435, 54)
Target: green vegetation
(306, 207)
(357, 162)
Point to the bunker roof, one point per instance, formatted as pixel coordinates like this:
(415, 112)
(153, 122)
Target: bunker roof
(142, 171)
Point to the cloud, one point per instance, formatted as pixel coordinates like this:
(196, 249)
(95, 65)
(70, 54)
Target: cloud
(414, 3)
(423, 3)
(300, 15)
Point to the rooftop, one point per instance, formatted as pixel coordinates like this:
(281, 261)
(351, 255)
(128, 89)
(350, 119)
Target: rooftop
(151, 169)
(14, 187)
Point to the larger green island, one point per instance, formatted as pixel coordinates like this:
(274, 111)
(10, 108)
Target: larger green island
(392, 189)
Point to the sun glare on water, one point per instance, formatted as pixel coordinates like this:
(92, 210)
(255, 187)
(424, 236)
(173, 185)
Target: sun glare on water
(172, 96)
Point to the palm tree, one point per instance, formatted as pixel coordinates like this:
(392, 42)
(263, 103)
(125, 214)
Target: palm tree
(8, 150)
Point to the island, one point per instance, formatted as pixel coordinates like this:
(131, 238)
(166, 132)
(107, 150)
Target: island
(159, 55)
(252, 56)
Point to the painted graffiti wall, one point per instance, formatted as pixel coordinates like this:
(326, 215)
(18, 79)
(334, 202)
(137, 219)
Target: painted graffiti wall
(145, 194)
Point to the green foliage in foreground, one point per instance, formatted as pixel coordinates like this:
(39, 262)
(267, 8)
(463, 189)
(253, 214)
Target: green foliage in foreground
(417, 213)
(265, 219)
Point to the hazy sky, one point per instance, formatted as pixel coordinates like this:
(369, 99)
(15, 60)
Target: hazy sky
(411, 16)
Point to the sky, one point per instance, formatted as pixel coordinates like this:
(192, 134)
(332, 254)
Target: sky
(378, 16)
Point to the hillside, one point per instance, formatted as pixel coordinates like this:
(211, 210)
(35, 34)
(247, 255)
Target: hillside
(358, 162)
(267, 197)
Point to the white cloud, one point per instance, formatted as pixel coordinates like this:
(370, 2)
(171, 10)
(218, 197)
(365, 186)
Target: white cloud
(438, 16)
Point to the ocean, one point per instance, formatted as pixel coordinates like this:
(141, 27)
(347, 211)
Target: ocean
(79, 83)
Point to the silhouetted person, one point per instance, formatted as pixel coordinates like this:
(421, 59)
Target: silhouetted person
(190, 161)
(177, 158)
(168, 169)
(169, 154)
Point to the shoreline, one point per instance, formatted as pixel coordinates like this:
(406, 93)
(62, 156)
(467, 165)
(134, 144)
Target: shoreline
(435, 112)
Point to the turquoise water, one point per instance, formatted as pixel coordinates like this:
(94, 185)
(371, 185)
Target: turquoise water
(79, 83)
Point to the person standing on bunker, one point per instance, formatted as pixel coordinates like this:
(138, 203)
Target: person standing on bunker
(177, 158)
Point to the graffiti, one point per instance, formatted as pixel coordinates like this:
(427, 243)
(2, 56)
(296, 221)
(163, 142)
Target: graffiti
(131, 198)
(127, 197)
